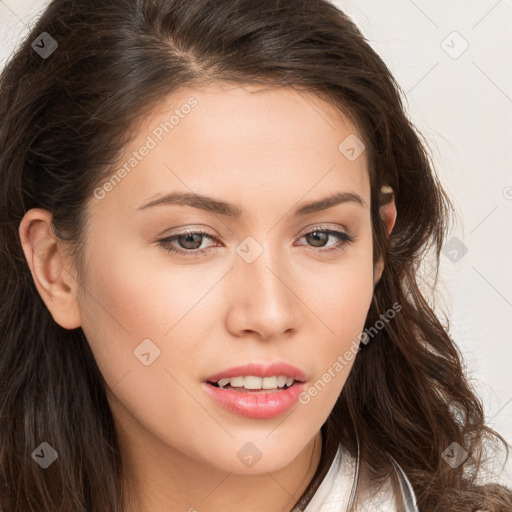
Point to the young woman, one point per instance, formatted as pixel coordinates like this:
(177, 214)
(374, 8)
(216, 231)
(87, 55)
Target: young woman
(213, 213)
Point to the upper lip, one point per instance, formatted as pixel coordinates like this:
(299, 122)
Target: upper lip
(260, 370)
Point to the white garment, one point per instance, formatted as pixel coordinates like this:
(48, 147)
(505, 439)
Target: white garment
(333, 495)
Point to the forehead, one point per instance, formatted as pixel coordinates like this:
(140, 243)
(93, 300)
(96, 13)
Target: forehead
(257, 144)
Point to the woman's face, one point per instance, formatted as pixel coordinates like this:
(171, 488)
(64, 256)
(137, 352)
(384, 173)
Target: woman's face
(264, 286)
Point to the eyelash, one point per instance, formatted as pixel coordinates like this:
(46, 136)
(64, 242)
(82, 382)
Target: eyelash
(343, 240)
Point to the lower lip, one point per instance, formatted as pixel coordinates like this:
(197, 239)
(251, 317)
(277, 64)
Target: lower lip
(254, 404)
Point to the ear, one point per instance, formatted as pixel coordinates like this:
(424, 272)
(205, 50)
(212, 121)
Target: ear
(388, 215)
(45, 259)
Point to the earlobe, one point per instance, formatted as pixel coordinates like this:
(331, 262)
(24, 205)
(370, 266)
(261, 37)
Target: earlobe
(46, 263)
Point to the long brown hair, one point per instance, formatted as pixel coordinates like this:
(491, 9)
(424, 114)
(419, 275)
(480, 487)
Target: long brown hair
(65, 118)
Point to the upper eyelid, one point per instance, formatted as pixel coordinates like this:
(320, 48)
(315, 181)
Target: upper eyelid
(317, 227)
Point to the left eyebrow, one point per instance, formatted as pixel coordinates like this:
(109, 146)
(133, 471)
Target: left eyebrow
(234, 211)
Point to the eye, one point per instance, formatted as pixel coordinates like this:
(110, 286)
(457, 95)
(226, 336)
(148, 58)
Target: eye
(318, 236)
(190, 241)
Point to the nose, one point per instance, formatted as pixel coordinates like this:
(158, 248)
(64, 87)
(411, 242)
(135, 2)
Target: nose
(263, 301)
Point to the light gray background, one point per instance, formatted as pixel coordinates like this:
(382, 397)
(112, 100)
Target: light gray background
(462, 103)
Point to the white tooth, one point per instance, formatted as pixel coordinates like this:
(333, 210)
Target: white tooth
(223, 382)
(252, 382)
(269, 383)
(237, 382)
(281, 381)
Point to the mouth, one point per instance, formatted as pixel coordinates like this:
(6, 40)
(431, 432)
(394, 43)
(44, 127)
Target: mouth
(257, 391)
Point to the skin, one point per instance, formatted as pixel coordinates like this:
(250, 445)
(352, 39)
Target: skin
(268, 151)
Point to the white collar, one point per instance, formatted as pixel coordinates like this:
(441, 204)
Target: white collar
(334, 492)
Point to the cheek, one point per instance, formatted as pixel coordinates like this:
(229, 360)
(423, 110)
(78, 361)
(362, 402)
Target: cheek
(339, 294)
(122, 305)
(138, 303)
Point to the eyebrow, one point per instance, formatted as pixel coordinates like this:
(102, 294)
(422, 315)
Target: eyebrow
(234, 211)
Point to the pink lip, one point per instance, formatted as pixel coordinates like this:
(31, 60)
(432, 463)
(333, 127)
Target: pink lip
(260, 370)
(253, 404)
